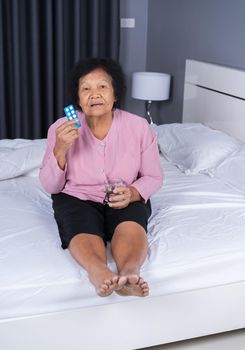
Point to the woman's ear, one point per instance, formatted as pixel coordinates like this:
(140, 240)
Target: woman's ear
(79, 107)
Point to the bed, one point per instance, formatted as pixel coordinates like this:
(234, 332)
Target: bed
(196, 260)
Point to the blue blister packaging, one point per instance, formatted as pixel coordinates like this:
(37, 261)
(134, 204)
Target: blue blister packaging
(71, 113)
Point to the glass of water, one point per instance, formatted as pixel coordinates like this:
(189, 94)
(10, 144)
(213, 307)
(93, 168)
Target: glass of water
(110, 185)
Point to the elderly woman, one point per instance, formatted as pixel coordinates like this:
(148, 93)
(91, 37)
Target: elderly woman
(80, 161)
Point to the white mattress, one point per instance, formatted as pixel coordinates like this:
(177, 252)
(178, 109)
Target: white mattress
(196, 236)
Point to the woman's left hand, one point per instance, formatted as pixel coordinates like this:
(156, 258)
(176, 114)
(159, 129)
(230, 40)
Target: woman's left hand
(122, 196)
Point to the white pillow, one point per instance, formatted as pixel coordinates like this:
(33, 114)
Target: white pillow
(194, 147)
(21, 157)
(232, 170)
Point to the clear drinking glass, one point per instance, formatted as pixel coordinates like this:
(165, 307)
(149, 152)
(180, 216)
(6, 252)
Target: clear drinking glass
(110, 185)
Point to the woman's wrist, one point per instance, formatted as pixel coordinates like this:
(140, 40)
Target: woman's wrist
(61, 158)
(135, 195)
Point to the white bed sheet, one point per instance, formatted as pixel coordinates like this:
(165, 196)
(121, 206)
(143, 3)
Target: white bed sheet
(196, 237)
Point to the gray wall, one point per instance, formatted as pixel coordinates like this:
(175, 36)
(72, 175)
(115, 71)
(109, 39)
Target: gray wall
(133, 47)
(208, 30)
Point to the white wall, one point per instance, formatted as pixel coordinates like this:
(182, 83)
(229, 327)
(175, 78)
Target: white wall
(133, 49)
(207, 30)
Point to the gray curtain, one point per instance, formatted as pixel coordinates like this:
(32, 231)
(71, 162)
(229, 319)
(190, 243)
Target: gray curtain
(40, 41)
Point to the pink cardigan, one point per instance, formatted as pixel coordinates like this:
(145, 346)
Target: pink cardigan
(129, 152)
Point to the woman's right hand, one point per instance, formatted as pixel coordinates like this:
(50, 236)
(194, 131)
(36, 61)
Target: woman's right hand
(66, 134)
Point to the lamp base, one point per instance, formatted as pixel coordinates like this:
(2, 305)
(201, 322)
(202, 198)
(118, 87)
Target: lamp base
(148, 113)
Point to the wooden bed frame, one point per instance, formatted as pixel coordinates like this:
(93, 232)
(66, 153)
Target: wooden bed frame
(215, 96)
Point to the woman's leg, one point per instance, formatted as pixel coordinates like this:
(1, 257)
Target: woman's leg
(129, 248)
(90, 252)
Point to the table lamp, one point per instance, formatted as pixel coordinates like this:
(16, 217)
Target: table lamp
(150, 87)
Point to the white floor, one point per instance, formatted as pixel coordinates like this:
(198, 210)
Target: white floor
(226, 341)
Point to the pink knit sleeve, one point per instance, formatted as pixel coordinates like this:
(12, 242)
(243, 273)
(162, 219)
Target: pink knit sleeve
(150, 174)
(51, 176)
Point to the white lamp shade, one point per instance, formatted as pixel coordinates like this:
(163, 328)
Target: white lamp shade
(150, 86)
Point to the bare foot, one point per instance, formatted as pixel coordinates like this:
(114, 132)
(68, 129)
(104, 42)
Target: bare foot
(135, 286)
(106, 282)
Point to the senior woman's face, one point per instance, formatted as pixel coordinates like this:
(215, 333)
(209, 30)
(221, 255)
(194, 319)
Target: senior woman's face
(96, 93)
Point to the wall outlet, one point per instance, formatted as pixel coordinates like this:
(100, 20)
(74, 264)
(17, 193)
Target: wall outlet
(127, 23)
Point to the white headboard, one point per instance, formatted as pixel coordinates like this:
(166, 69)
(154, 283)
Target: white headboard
(215, 96)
